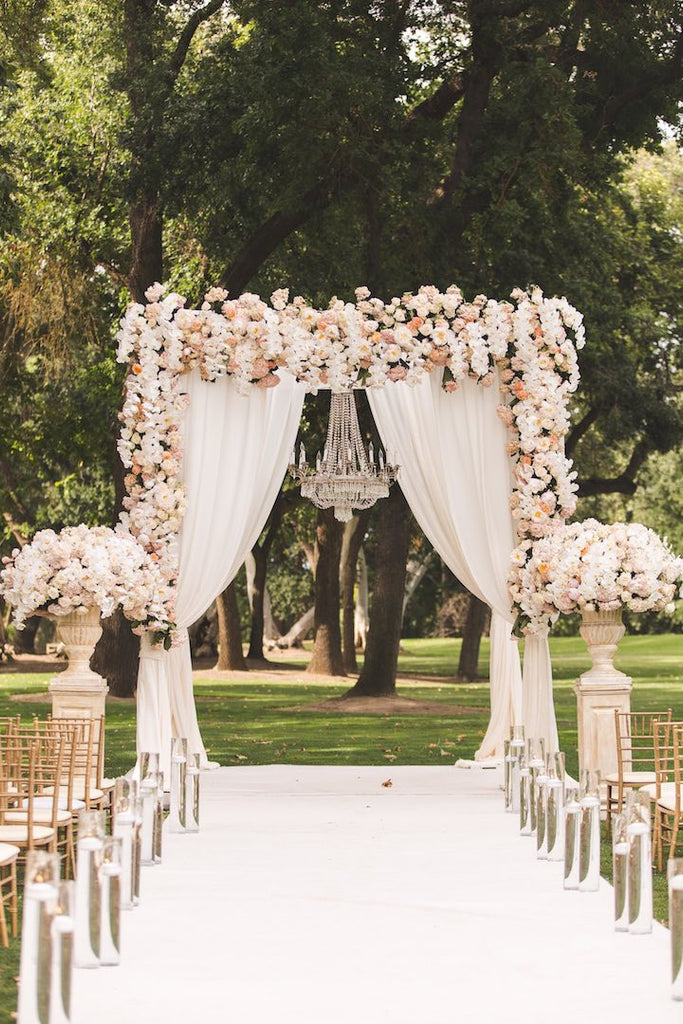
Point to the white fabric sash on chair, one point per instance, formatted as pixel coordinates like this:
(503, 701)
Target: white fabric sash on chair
(236, 450)
(456, 475)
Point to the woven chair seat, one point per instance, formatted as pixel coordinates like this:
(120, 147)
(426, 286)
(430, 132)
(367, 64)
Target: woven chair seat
(631, 778)
(19, 833)
(8, 853)
(62, 802)
(43, 815)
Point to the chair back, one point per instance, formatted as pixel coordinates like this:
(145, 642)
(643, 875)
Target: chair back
(635, 733)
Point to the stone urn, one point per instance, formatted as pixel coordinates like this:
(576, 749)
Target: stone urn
(600, 691)
(602, 631)
(78, 692)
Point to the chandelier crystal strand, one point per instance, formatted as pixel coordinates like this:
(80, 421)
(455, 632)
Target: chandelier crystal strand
(345, 477)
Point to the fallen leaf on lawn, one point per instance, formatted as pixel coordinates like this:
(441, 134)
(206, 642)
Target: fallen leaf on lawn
(461, 737)
(390, 757)
(387, 783)
(240, 757)
(432, 746)
(446, 753)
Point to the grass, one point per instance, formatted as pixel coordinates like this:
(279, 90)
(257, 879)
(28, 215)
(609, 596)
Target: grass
(266, 722)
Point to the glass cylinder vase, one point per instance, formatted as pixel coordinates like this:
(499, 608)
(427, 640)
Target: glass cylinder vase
(88, 889)
(620, 872)
(555, 807)
(589, 831)
(524, 797)
(192, 776)
(148, 800)
(177, 810)
(125, 795)
(41, 886)
(639, 866)
(517, 748)
(572, 828)
(674, 871)
(63, 924)
(110, 920)
(536, 762)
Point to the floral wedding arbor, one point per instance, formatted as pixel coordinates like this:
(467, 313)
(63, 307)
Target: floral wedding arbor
(469, 397)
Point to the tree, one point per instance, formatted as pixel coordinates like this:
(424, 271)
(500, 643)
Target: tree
(327, 653)
(378, 675)
(352, 541)
(230, 655)
(323, 145)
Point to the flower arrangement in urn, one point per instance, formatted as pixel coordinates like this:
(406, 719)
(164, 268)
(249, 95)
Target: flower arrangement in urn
(590, 567)
(84, 567)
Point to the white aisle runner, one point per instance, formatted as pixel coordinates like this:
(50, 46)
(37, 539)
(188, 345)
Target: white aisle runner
(319, 896)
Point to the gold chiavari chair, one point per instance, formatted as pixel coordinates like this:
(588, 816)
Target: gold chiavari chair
(54, 772)
(668, 805)
(95, 790)
(635, 756)
(9, 855)
(18, 782)
(82, 790)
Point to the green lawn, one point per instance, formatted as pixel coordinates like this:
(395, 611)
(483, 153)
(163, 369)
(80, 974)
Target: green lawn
(259, 722)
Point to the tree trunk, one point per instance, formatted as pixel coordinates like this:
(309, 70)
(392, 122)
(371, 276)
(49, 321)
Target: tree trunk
(299, 631)
(327, 653)
(352, 539)
(24, 639)
(361, 611)
(271, 632)
(477, 615)
(230, 655)
(415, 572)
(257, 569)
(257, 597)
(378, 677)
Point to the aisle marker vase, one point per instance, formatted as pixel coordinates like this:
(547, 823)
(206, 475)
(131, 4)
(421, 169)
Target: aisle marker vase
(601, 691)
(639, 866)
(88, 888)
(110, 906)
(536, 759)
(513, 751)
(125, 795)
(192, 776)
(524, 797)
(41, 886)
(554, 824)
(589, 832)
(63, 925)
(148, 800)
(542, 814)
(674, 870)
(572, 828)
(620, 872)
(177, 810)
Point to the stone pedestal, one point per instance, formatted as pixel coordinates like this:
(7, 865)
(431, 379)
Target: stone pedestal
(78, 692)
(600, 692)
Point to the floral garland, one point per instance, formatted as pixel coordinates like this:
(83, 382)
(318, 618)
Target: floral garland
(84, 567)
(590, 566)
(532, 341)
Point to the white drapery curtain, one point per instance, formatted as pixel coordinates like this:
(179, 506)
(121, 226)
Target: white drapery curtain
(236, 451)
(457, 478)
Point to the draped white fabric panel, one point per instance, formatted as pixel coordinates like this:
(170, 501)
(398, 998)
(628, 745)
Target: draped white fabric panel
(539, 709)
(236, 451)
(456, 476)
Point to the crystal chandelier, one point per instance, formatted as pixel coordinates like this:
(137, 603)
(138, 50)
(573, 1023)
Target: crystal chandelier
(345, 478)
